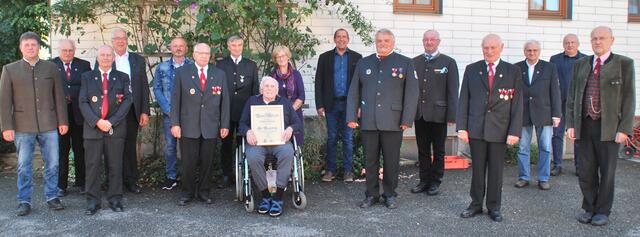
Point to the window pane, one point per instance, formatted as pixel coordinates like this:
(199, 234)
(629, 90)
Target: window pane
(553, 5)
(405, 1)
(536, 4)
(427, 2)
(633, 7)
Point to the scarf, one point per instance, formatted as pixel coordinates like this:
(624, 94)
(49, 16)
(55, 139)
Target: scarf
(287, 78)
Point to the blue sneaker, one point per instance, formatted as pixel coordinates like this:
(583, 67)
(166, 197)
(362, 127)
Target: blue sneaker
(276, 208)
(265, 205)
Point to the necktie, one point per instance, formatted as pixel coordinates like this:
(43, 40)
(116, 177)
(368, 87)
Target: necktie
(596, 69)
(105, 99)
(428, 57)
(491, 76)
(202, 79)
(68, 71)
(235, 60)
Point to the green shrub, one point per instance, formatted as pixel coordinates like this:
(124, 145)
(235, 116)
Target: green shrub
(512, 154)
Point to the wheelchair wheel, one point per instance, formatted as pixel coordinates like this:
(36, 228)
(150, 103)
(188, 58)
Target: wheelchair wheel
(301, 171)
(299, 200)
(249, 204)
(239, 174)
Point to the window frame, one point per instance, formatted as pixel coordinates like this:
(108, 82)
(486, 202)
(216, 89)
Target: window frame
(434, 8)
(563, 13)
(633, 17)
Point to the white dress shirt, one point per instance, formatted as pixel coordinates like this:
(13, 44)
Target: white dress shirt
(122, 63)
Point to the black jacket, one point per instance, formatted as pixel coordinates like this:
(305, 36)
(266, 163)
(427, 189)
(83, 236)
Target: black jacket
(90, 98)
(485, 115)
(541, 98)
(324, 90)
(139, 84)
(439, 82)
(72, 87)
(243, 82)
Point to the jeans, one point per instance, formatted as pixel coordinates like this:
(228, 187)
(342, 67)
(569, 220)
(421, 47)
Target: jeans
(544, 147)
(558, 144)
(170, 151)
(336, 126)
(25, 145)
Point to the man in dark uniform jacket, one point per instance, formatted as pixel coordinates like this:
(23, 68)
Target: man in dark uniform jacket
(438, 78)
(384, 89)
(333, 77)
(135, 67)
(489, 118)
(242, 79)
(541, 111)
(600, 110)
(105, 98)
(71, 70)
(199, 116)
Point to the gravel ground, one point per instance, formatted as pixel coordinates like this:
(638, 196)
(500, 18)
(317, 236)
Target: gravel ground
(333, 211)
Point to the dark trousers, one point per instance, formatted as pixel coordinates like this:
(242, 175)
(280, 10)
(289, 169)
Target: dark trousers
(111, 148)
(130, 162)
(597, 168)
(74, 139)
(389, 142)
(197, 161)
(430, 134)
(488, 162)
(557, 142)
(228, 151)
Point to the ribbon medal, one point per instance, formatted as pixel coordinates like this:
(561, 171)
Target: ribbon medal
(501, 92)
(216, 90)
(511, 93)
(241, 79)
(401, 75)
(394, 72)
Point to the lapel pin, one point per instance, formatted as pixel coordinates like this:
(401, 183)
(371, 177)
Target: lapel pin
(368, 71)
(94, 99)
(241, 79)
(192, 91)
(537, 72)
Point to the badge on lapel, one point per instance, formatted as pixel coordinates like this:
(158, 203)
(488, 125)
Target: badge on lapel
(192, 91)
(94, 99)
(444, 70)
(241, 79)
(506, 94)
(401, 75)
(216, 90)
(119, 98)
(368, 71)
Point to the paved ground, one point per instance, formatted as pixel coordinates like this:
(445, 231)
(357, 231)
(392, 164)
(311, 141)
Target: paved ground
(332, 211)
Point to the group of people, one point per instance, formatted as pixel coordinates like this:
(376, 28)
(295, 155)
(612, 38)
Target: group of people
(498, 104)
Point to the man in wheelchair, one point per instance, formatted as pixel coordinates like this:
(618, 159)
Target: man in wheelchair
(256, 154)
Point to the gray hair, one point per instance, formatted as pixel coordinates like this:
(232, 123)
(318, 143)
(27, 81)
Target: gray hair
(386, 31)
(116, 30)
(571, 35)
(234, 38)
(531, 42)
(67, 41)
(491, 36)
(105, 47)
(30, 35)
(603, 27)
(434, 31)
(266, 79)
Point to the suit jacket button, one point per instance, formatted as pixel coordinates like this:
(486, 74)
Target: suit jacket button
(379, 105)
(488, 111)
(235, 92)
(379, 82)
(423, 102)
(202, 106)
(378, 93)
(68, 86)
(531, 98)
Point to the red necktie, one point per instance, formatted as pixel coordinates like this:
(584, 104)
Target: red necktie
(105, 100)
(203, 79)
(491, 76)
(68, 70)
(596, 69)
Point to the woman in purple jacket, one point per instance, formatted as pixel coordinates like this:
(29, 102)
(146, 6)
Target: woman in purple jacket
(290, 83)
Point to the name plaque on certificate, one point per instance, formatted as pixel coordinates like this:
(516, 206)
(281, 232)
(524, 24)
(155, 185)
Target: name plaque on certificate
(267, 123)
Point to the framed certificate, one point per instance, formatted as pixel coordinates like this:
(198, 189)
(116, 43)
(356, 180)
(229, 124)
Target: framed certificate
(267, 123)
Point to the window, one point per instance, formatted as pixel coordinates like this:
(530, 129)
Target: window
(634, 12)
(550, 9)
(417, 6)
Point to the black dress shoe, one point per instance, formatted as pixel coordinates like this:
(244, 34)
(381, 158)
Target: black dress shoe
(134, 188)
(470, 212)
(434, 189)
(183, 201)
(116, 206)
(23, 209)
(225, 182)
(390, 202)
(556, 171)
(92, 209)
(421, 187)
(495, 216)
(55, 204)
(369, 201)
(204, 198)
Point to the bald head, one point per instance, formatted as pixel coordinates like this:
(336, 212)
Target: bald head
(601, 40)
(201, 54)
(105, 57)
(492, 47)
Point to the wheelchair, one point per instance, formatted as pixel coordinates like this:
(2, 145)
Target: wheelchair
(244, 192)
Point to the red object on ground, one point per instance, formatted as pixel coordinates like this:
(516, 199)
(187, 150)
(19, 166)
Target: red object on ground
(455, 163)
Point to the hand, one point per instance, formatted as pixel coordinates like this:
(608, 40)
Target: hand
(571, 133)
(286, 135)
(556, 122)
(463, 135)
(8, 135)
(320, 112)
(352, 125)
(251, 138)
(63, 129)
(404, 127)
(176, 131)
(224, 132)
(358, 114)
(144, 119)
(103, 125)
(621, 138)
(512, 140)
